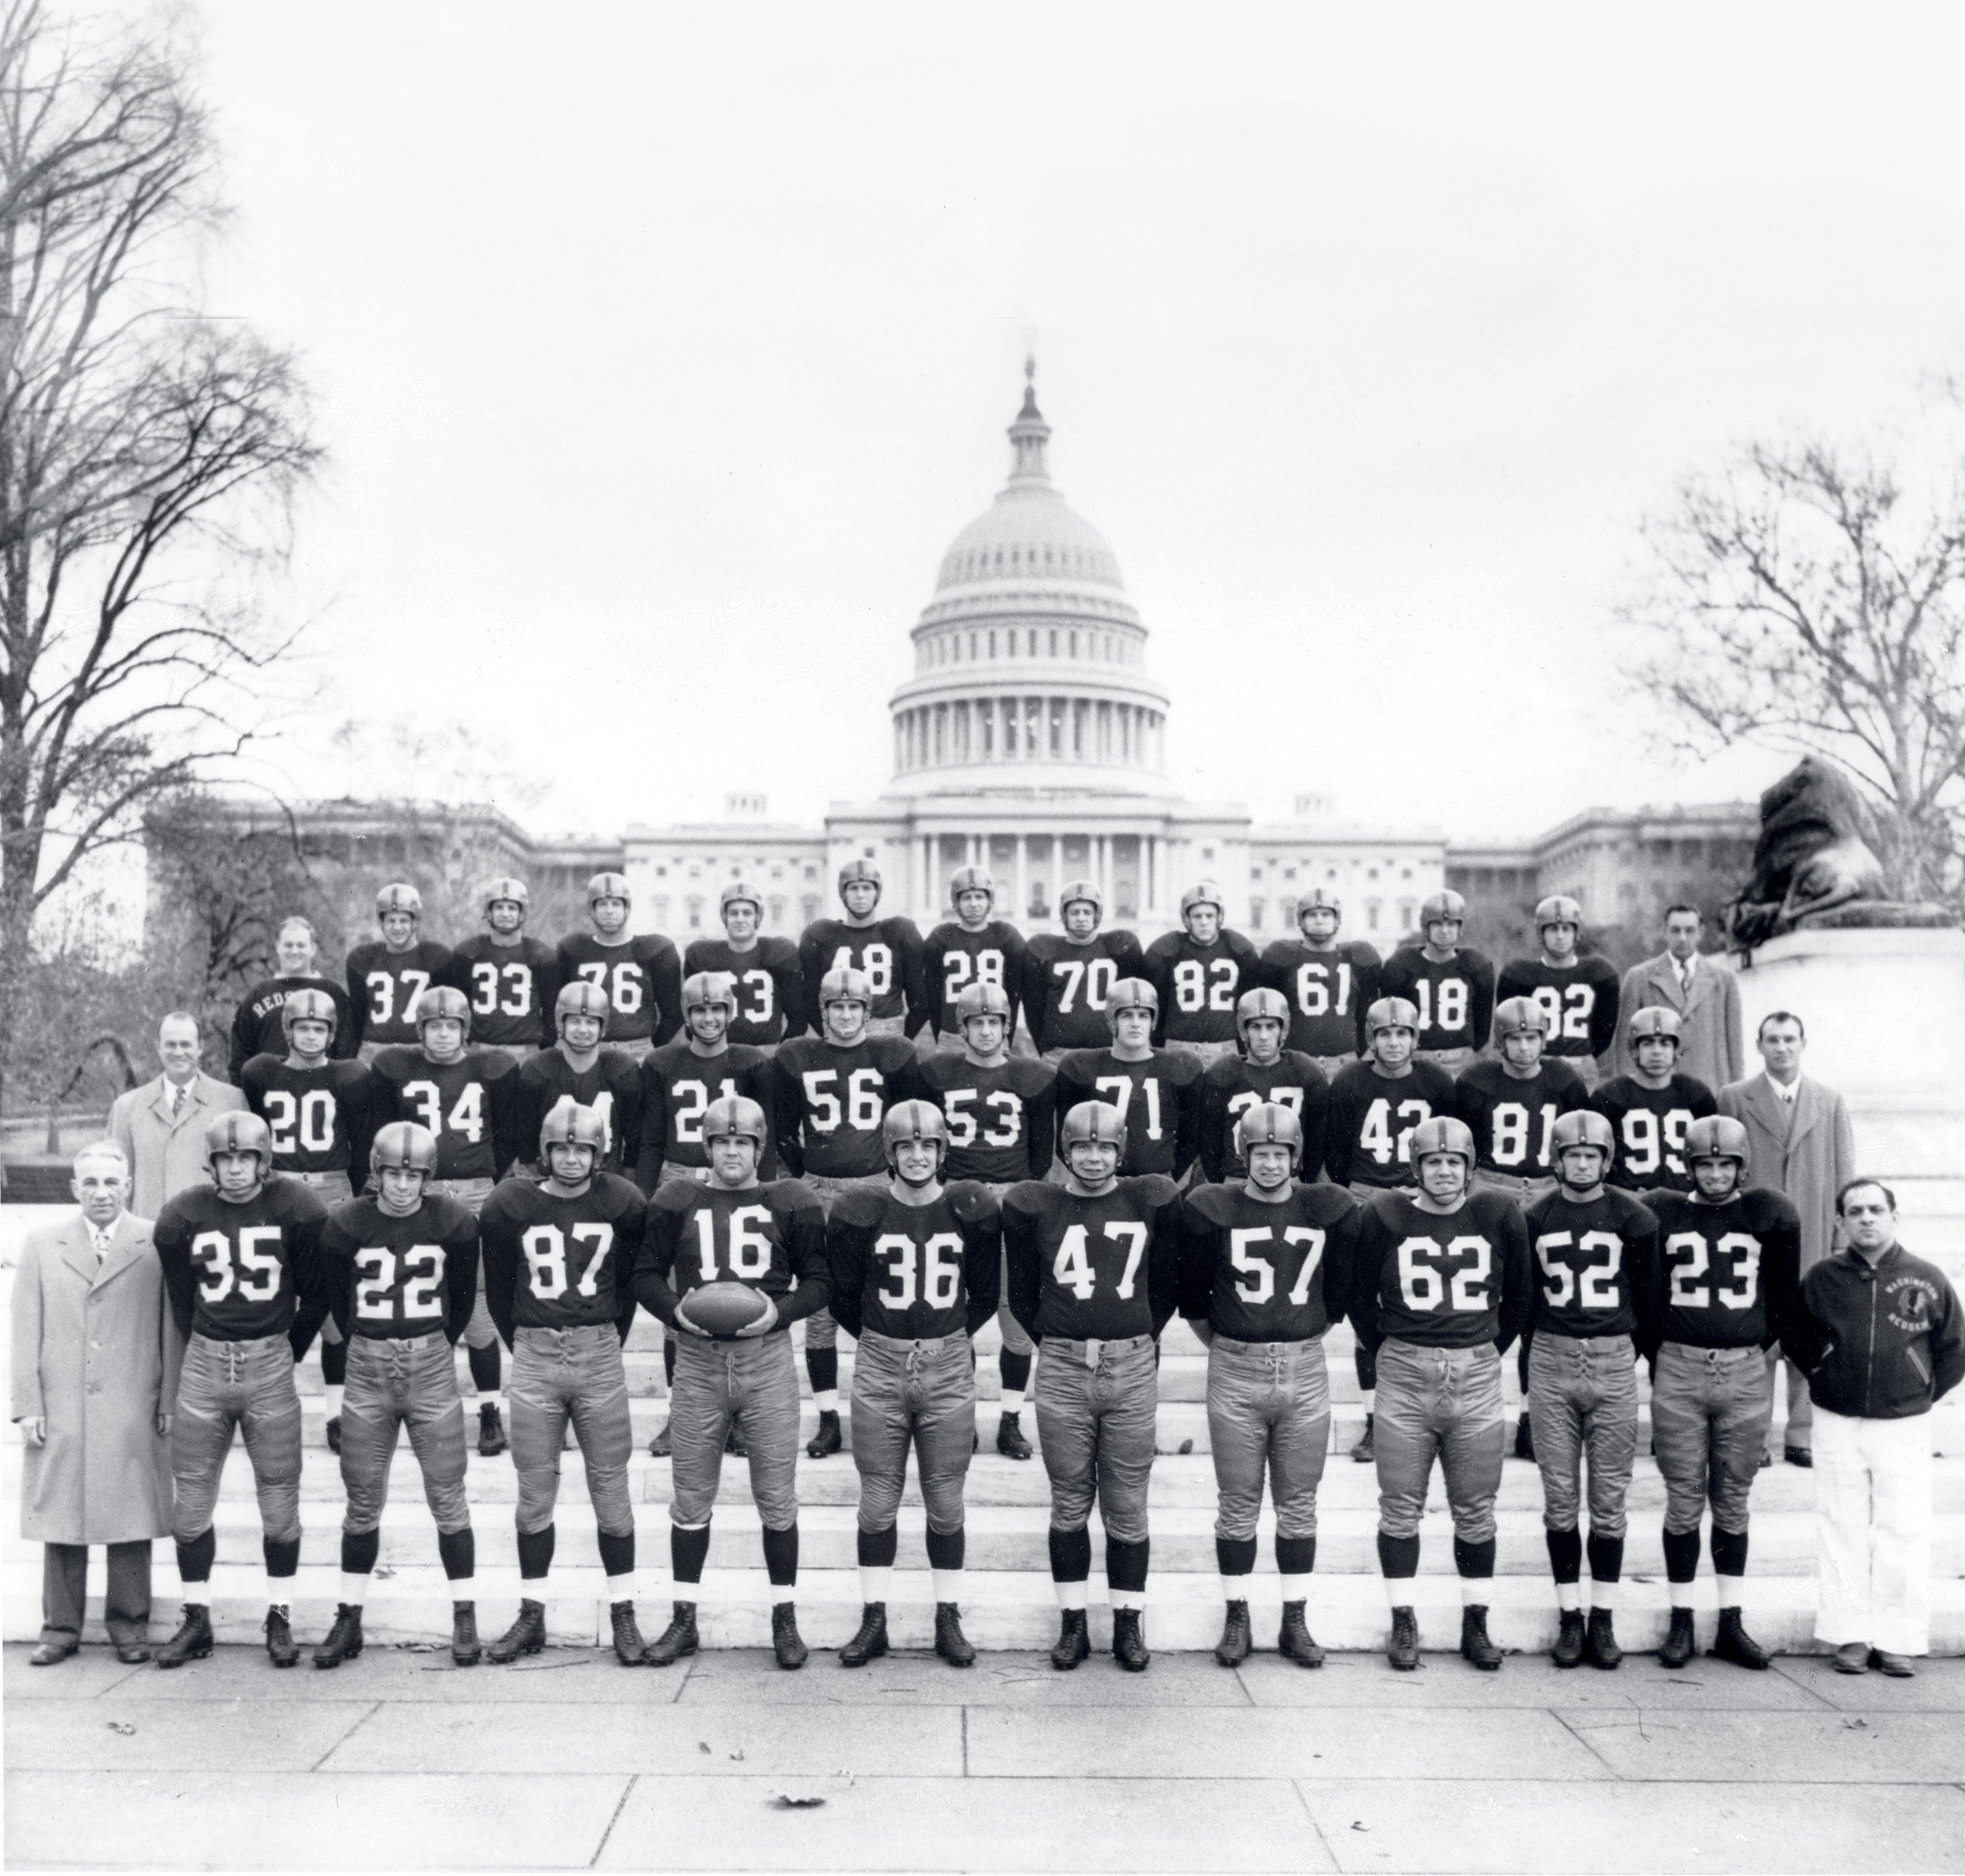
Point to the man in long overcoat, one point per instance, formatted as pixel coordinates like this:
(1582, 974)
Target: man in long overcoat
(160, 1125)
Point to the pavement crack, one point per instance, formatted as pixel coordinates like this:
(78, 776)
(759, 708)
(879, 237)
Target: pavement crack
(965, 1741)
(1316, 1828)
(627, 1791)
(1583, 1739)
(374, 1707)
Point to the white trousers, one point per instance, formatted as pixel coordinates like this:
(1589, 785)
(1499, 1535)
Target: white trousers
(1872, 1522)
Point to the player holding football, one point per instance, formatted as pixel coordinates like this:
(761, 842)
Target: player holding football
(1157, 1092)
(771, 1237)
(1000, 1112)
(1200, 971)
(510, 980)
(1068, 975)
(1265, 1269)
(1597, 1280)
(387, 975)
(1578, 995)
(639, 975)
(1450, 985)
(584, 1068)
(770, 987)
(400, 1272)
(1093, 1268)
(558, 1261)
(1651, 1110)
(973, 947)
(1329, 986)
(1264, 1072)
(1731, 1258)
(915, 1271)
(886, 952)
(240, 1262)
(829, 1093)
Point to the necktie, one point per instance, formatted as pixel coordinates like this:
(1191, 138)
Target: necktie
(177, 1097)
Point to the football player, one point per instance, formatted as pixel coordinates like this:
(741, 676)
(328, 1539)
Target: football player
(732, 1228)
(583, 1066)
(1450, 985)
(1068, 975)
(829, 1093)
(559, 1258)
(914, 1272)
(1000, 1118)
(1157, 1092)
(887, 952)
(240, 1260)
(511, 980)
(1374, 1105)
(1095, 1270)
(1578, 995)
(387, 975)
(1329, 986)
(1443, 1286)
(1265, 1269)
(399, 1270)
(255, 1028)
(640, 976)
(770, 987)
(1264, 1072)
(1731, 1258)
(973, 948)
(1651, 1110)
(468, 1098)
(1597, 1277)
(1200, 972)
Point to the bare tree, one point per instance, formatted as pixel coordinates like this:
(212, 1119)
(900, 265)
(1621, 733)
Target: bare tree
(149, 460)
(1808, 600)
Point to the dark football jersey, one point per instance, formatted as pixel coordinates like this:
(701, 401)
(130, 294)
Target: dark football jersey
(1650, 1126)
(1234, 1084)
(1450, 1279)
(256, 1029)
(771, 999)
(1456, 1000)
(510, 988)
(389, 1279)
(1329, 993)
(1729, 1273)
(383, 985)
(913, 1271)
(612, 1086)
(320, 1118)
(1065, 987)
(1262, 1272)
(552, 1262)
(1199, 984)
(1160, 1098)
(954, 957)
(1579, 1000)
(1596, 1265)
(829, 1102)
(889, 951)
(772, 1237)
(234, 1273)
(1003, 1119)
(678, 1086)
(1108, 1267)
(1368, 1139)
(1512, 1121)
(471, 1105)
(641, 976)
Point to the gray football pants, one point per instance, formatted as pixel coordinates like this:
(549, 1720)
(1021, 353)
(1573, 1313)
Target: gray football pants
(1268, 1412)
(821, 1331)
(1097, 1405)
(1710, 1408)
(1583, 1404)
(920, 1395)
(480, 1331)
(1442, 1403)
(392, 1385)
(559, 1375)
(248, 1385)
(753, 1380)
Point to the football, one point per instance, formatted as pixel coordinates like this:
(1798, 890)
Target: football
(723, 1308)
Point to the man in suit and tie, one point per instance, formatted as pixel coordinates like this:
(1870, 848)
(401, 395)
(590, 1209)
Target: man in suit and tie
(160, 1126)
(1798, 1142)
(96, 1363)
(1702, 992)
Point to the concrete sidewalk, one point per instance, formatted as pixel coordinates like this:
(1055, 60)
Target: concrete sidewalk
(398, 1760)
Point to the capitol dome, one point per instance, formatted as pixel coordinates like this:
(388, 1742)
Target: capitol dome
(1029, 660)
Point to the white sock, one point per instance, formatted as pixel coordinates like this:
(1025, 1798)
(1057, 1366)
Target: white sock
(621, 1588)
(1568, 1596)
(1070, 1595)
(533, 1588)
(826, 1400)
(947, 1585)
(464, 1589)
(280, 1593)
(1296, 1586)
(1603, 1595)
(1235, 1588)
(1681, 1595)
(1478, 1590)
(354, 1589)
(1732, 1591)
(1013, 1400)
(1126, 1598)
(1369, 1396)
(334, 1400)
(1399, 1592)
(876, 1580)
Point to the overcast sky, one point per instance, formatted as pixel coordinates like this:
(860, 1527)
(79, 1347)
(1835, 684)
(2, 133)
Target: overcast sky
(661, 350)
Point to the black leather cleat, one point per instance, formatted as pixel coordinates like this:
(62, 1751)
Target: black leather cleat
(1733, 1643)
(193, 1640)
(1232, 1649)
(1010, 1441)
(1402, 1650)
(1129, 1640)
(1074, 1641)
(491, 1440)
(1600, 1644)
(827, 1440)
(1294, 1639)
(629, 1649)
(465, 1649)
(525, 1637)
(1798, 1456)
(869, 1639)
(950, 1642)
(658, 1447)
(1567, 1651)
(679, 1639)
(1364, 1452)
(1680, 1644)
(1474, 1645)
(787, 1643)
(344, 1637)
(281, 1649)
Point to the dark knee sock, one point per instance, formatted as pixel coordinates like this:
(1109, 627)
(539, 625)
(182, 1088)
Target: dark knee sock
(1015, 1370)
(1367, 1365)
(1681, 1555)
(1235, 1556)
(1398, 1556)
(668, 1361)
(1522, 1369)
(878, 1549)
(687, 1549)
(359, 1549)
(617, 1552)
(334, 1364)
(195, 1561)
(947, 1550)
(1295, 1556)
(1474, 1560)
(282, 1556)
(459, 1550)
(1606, 1558)
(1565, 1555)
(781, 1555)
(1126, 1564)
(484, 1367)
(822, 1365)
(1070, 1555)
(1729, 1552)
(536, 1552)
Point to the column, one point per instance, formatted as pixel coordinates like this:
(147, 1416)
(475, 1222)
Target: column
(1023, 876)
(996, 729)
(1057, 874)
(1150, 891)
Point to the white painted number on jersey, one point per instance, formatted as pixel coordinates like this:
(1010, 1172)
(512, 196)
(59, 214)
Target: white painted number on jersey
(1376, 1137)
(963, 1126)
(382, 993)
(1453, 999)
(876, 960)
(1513, 1125)
(1098, 975)
(1647, 1141)
(957, 968)
(466, 1118)
(1072, 1268)
(1596, 1283)
(763, 1006)
(253, 1273)
(1687, 1293)
(932, 1271)
(1122, 1088)
(748, 1255)
(517, 980)
(1313, 989)
(1425, 1284)
(1209, 984)
(1567, 1010)
(692, 1103)
(1255, 1277)
(545, 1253)
(313, 1110)
(865, 1090)
(625, 992)
(375, 1272)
